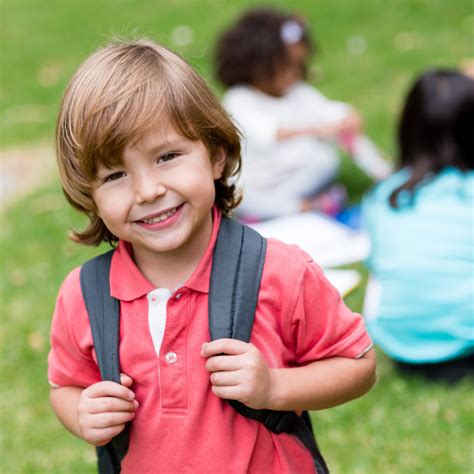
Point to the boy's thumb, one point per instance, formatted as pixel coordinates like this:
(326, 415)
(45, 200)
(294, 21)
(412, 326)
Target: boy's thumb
(125, 380)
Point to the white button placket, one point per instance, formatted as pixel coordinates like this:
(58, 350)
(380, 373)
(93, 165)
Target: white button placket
(157, 300)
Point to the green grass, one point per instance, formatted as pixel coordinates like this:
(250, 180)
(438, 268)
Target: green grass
(402, 425)
(43, 41)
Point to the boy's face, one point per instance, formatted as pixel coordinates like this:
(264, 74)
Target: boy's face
(160, 199)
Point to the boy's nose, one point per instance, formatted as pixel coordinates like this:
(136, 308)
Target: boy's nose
(148, 187)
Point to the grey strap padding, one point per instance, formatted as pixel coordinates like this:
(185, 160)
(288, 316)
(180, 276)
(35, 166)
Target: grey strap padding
(104, 317)
(104, 314)
(237, 268)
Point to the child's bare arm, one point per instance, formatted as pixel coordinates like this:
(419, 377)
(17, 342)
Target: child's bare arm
(325, 383)
(243, 374)
(352, 123)
(97, 413)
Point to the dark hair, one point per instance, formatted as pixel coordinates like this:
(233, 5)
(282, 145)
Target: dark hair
(253, 48)
(434, 131)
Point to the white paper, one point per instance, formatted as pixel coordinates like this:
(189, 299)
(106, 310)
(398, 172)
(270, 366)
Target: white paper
(343, 280)
(328, 242)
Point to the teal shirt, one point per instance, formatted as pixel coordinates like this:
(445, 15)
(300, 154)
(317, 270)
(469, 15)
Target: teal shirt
(422, 259)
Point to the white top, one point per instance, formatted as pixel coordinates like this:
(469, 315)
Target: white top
(259, 116)
(157, 301)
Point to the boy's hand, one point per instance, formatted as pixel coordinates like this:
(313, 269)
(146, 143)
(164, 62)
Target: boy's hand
(104, 408)
(239, 372)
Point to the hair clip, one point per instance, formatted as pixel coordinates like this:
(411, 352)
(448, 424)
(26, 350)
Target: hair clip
(291, 32)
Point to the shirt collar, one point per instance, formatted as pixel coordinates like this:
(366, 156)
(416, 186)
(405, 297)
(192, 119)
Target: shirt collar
(127, 283)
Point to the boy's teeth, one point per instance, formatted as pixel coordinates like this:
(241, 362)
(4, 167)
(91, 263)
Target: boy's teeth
(160, 218)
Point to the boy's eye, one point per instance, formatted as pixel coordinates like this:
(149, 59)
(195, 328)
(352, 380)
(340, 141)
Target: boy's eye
(168, 156)
(113, 176)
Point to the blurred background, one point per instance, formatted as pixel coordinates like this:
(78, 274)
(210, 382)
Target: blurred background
(370, 51)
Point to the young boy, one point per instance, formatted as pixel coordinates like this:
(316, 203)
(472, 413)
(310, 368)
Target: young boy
(147, 153)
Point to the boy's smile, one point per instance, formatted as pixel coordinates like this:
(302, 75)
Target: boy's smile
(160, 198)
(160, 220)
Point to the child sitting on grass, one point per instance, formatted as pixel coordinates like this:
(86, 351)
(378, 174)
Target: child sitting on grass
(147, 153)
(420, 298)
(291, 130)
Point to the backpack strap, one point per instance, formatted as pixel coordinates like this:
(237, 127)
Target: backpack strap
(237, 268)
(104, 312)
(104, 318)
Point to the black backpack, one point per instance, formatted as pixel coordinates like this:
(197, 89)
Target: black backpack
(237, 267)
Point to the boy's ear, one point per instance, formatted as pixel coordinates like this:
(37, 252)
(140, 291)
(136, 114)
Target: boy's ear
(218, 162)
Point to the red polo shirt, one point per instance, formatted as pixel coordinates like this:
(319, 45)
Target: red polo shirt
(181, 426)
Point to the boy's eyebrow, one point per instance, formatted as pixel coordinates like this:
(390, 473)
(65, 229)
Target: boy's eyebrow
(155, 146)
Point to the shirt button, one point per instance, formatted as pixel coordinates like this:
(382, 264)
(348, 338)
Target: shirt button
(171, 357)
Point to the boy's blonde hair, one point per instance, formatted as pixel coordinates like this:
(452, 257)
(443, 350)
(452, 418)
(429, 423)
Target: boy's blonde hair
(118, 94)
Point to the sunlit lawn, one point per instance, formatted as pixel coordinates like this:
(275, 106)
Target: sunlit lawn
(369, 53)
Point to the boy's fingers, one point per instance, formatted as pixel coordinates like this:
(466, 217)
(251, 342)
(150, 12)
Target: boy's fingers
(224, 346)
(126, 380)
(108, 420)
(112, 404)
(109, 389)
(223, 362)
(226, 392)
(225, 379)
(101, 436)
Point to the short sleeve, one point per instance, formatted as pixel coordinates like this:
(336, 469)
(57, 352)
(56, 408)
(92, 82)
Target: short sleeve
(71, 361)
(323, 326)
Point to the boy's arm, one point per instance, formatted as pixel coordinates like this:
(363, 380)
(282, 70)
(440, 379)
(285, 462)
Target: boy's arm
(97, 413)
(64, 401)
(323, 384)
(244, 375)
